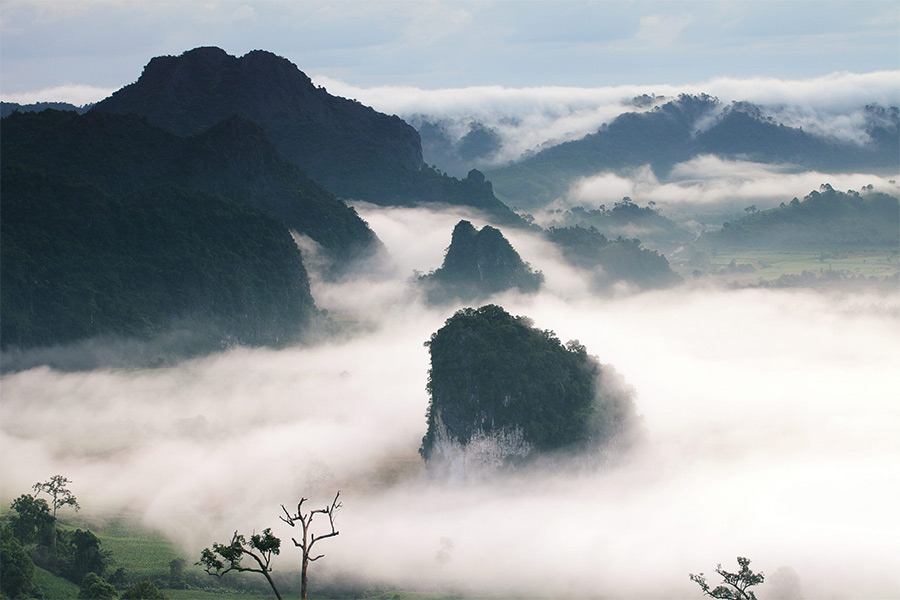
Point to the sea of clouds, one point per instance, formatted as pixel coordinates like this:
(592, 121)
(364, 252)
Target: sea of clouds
(769, 418)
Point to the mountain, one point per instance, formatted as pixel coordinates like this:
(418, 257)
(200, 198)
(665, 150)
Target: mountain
(158, 261)
(503, 392)
(478, 264)
(688, 127)
(124, 154)
(612, 261)
(826, 220)
(352, 150)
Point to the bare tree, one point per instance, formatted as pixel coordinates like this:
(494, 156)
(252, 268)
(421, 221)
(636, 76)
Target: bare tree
(308, 538)
(224, 558)
(736, 584)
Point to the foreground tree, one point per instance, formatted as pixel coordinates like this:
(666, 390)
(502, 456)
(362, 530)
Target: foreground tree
(735, 584)
(60, 496)
(94, 587)
(16, 567)
(32, 522)
(308, 538)
(58, 492)
(224, 558)
(143, 590)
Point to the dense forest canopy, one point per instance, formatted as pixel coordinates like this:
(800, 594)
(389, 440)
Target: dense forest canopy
(78, 263)
(825, 220)
(492, 371)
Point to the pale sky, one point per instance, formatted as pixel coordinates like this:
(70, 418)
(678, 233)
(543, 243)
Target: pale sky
(95, 46)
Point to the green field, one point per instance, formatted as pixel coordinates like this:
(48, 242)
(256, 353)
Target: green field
(772, 265)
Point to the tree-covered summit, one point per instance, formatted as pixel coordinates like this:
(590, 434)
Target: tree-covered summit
(503, 391)
(479, 263)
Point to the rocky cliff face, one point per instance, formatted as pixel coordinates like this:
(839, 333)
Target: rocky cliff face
(478, 264)
(505, 394)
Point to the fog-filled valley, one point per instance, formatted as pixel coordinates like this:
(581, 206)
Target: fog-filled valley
(549, 333)
(768, 423)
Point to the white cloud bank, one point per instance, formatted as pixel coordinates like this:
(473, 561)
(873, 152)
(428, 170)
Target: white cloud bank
(76, 94)
(710, 180)
(770, 419)
(528, 118)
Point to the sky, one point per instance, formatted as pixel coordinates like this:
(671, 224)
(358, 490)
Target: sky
(81, 50)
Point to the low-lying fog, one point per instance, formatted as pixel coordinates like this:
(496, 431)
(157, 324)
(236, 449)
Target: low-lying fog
(770, 417)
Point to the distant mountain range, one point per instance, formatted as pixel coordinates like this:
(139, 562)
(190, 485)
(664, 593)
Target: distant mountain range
(688, 127)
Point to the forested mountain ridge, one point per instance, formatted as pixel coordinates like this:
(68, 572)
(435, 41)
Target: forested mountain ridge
(685, 128)
(503, 392)
(825, 220)
(79, 262)
(352, 150)
(124, 153)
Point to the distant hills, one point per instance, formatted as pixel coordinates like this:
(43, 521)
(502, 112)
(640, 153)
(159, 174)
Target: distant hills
(352, 150)
(688, 127)
(611, 261)
(826, 220)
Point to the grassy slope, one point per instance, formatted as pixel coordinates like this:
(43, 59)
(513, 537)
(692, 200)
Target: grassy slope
(53, 587)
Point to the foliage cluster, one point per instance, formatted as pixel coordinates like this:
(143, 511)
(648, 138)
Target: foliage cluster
(490, 370)
(734, 586)
(37, 551)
